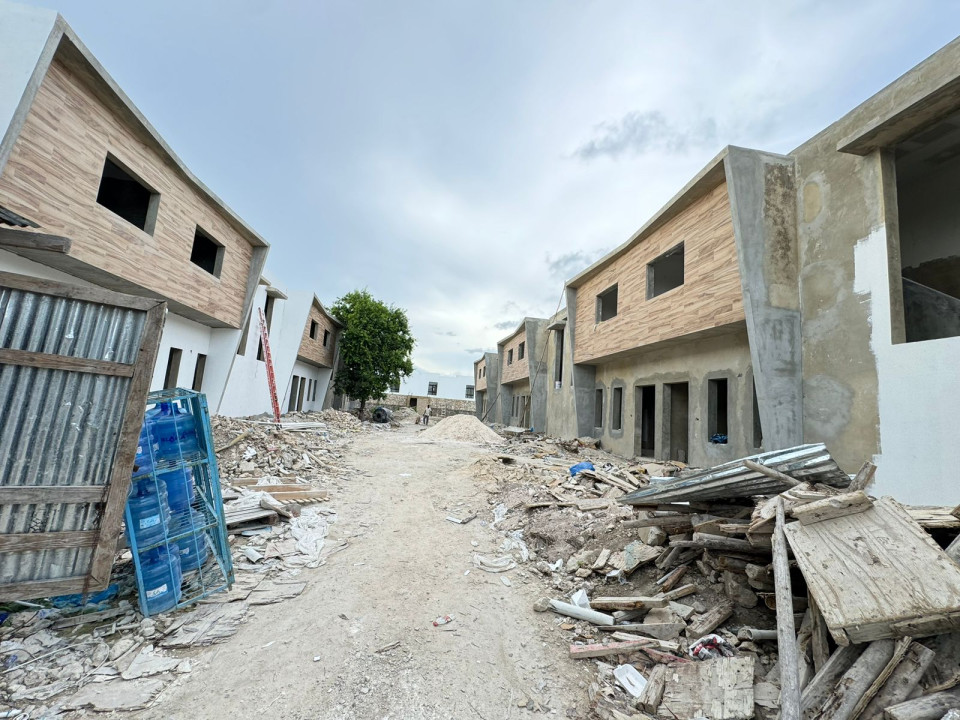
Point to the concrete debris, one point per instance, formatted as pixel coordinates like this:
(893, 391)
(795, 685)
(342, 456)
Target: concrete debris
(707, 536)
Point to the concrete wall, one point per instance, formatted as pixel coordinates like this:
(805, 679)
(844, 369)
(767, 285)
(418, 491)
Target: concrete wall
(494, 412)
(561, 408)
(763, 205)
(695, 362)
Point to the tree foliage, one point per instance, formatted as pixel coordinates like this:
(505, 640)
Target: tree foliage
(375, 346)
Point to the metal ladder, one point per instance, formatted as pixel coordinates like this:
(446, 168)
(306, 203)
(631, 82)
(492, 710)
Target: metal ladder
(268, 358)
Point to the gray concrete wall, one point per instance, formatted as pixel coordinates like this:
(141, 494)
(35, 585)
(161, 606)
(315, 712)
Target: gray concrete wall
(694, 361)
(561, 405)
(536, 331)
(582, 377)
(763, 206)
(494, 414)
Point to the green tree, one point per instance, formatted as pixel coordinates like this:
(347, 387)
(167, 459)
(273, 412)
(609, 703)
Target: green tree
(375, 347)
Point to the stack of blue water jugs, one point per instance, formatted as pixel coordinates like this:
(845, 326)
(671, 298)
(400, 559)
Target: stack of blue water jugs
(163, 527)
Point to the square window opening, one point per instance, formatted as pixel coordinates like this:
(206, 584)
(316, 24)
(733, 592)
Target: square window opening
(431, 388)
(616, 422)
(395, 388)
(665, 272)
(927, 167)
(207, 253)
(125, 195)
(717, 415)
(607, 304)
(470, 391)
(598, 409)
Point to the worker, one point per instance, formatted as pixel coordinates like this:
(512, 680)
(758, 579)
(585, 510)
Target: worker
(426, 416)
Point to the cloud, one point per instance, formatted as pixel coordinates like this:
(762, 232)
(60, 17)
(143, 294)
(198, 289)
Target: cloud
(563, 267)
(506, 325)
(474, 351)
(638, 133)
(447, 333)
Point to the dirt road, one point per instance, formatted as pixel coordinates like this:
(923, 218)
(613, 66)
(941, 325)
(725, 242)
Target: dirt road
(316, 656)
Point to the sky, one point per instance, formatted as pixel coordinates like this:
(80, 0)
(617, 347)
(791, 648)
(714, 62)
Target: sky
(461, 160)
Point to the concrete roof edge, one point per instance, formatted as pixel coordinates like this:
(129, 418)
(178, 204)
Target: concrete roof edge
(337, 321)
(521, 326)
(708, 178)
(62, 32)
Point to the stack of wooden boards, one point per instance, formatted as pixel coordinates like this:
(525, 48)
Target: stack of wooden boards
(866, 591)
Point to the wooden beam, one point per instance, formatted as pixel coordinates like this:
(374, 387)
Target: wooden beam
(25, 358)
(833, 507)
(29, 542)
(617, 648)
(51, 494)
(28, 589)
(902, 681)
(928, 707)
(76, 292)
(720, 542)
(101, 564)
(842, 700)
(10, 238)
(786, 634)
(771, 473)
(828, 676)
(863, 478)
(627, 603)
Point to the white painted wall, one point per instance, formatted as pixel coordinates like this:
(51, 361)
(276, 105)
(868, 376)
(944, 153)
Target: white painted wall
(919, 395)
(23, 34)
(320, 378)
(448, 386)
(247, 390)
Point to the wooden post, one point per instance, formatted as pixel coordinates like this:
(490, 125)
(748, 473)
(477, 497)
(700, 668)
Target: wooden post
(902, 681)
(770, 472)
(843, 699)
(928, 707)
(827, 677)
(786, 634)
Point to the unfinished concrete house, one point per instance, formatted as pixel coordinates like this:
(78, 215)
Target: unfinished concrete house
(91, 194)
(879, 252)
(685, 339)
(486, 378)
(308, 385)
(522, 400)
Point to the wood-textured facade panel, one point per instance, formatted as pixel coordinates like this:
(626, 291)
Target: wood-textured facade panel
(710, 297)
(312, 349)
(519, 369)
(480, 374)
(53, 177)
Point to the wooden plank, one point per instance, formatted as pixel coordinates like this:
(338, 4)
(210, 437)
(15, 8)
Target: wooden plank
(25, 358)
(816, 691)
(75, 292)
(28, 589)
(864, 477)
(902, 681)
(652, 694)
(819, 636)
(101, 564)
(580, 652)
(877, 574)
(661, 521)
(30, 542)
(627, 603)
(707, 622)
(51, 494)
(786, 637)
(833, 507)
(929, 707)
(682, 591)
(719, 542)
(771, 473)
(10, 238)
(719, 689)
(842, 700)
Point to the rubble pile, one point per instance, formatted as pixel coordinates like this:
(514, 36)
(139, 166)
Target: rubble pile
(462, 428)
(58, 657)
(670, 584)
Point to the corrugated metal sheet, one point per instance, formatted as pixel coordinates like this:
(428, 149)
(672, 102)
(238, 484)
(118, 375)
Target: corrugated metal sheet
(59, 427)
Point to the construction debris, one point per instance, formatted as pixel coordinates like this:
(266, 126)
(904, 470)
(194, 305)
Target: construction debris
(462, 428)
(617, 570)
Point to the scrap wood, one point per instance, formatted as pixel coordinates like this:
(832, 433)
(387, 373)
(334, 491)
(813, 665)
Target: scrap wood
(579, 652)
(771, 473)
(786, 639)
(843, 698)
(627, 603)
(902, 681)
(242, 436)
(864, 477)
(866, 590)
(928, 707)
(899, 651)
(720, 689)
(833, 507)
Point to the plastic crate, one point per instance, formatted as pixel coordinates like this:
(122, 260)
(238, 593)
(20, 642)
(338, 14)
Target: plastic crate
(203, 525)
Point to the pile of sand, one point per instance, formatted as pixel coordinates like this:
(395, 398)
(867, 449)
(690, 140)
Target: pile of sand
(462, 428)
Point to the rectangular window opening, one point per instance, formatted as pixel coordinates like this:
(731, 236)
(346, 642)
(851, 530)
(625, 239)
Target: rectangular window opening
(395, 388)
(198, 372)
(616, 422)
(928, 215)
(294, 387)
(666, 272)
(607, 304)
(558, 358)
(303, 385)
(431, 388)
(598, 409)
(326, 337)
(520, 350)
(509, 357)
(645, 400)
(717, 411)
(268, 310)
(314, 328)
(470, 391)
(125, 195)
(207, 253)
(173, 368)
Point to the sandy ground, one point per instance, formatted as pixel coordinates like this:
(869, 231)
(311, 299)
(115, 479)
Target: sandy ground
(315, 656)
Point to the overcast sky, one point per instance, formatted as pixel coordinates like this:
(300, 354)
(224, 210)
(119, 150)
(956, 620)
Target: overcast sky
(462, 159)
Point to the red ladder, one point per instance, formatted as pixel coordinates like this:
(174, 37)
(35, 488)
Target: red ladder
(271, 378)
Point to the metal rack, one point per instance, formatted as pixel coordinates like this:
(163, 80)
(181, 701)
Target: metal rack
(204, 523)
